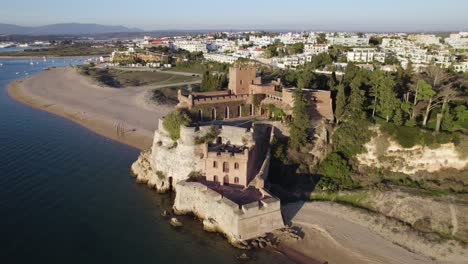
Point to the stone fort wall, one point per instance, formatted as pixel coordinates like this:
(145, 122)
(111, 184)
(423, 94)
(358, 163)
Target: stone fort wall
(237, 222)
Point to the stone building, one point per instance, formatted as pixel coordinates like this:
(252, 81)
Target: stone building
(248, 96)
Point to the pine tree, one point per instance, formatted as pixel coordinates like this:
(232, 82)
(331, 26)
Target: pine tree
(340, 103)
(388, 101)
(354, 109)
(301, 121)
(398, 118)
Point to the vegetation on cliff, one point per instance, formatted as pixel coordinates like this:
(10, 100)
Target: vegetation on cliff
(173, 121)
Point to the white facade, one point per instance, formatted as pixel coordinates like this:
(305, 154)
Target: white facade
(461, 67)
(427, 39)
(352, 41)
(219, 57)
(458, 41)
(191, 45)
(365, 55)
(315, 49)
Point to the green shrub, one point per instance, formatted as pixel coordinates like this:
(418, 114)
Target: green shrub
(349, 138)
(211, 135)
(409, 137)
(172, 123)
(335, 173)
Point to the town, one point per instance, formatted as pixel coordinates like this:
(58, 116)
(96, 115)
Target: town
(291, 50)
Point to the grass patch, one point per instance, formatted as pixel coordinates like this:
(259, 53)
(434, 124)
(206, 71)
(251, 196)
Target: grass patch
(121, 79)
(143, 78)
(355, 199)
(409, 137)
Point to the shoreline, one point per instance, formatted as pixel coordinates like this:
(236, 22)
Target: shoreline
(90, 124)
(91, 106)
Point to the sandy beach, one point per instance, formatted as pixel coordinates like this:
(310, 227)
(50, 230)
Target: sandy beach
(125, 115)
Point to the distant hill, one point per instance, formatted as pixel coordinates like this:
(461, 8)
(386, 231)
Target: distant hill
(64, 29)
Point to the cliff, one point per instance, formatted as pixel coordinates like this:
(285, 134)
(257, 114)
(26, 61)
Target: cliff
(383, 152)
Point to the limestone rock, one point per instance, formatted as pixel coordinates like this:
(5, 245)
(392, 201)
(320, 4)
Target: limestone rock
(210, 225)
(175, 222)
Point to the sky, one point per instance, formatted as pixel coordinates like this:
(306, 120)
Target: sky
(346, 15)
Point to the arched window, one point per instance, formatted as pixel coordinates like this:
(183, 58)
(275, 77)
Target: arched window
(213, 114)
(226, 180)
(226, 112)
(236, 180)
(225, 167)
(215, 178)
(236, 166)
(215, 164)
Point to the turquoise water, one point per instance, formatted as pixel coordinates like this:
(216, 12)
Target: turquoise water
(66, 195)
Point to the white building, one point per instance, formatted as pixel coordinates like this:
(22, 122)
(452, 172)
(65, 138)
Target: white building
(191, 45)
(351, 41)
(365, 55)
(426, 39)
(458, 41)
(315, 49)
(461, 66)
(219, 57)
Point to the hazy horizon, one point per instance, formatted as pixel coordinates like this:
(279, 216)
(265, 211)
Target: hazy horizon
(296, 15)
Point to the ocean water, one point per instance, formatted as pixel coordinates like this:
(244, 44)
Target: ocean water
(66, 195)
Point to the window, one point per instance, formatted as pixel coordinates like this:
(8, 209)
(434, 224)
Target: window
(236, 180)
(215, 178)
(236, 166)
(225, 167)
(215, 164)
(240, 82)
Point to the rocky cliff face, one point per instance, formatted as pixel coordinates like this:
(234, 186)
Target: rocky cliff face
(167, 162)
(383, 152)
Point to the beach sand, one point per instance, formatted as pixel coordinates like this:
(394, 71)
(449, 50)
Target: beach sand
(125, 115)
(332, 233)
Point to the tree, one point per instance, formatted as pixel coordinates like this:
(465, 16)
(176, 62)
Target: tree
(340, 103)
(355, 104)
(388, 101)
(398, 118)
(445, 84)
(304, 79)
(301, 121)
(336, 173)
(422, 92)
(391, 60)
(448, 122)
(321, 38)
(376, 82)
(461, 113)
(295, 48)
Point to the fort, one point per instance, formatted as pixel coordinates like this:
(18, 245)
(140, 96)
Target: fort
(247, 96)
(219, 166)
(220, 179)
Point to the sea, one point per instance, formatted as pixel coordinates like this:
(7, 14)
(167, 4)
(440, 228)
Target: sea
(67, 196)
